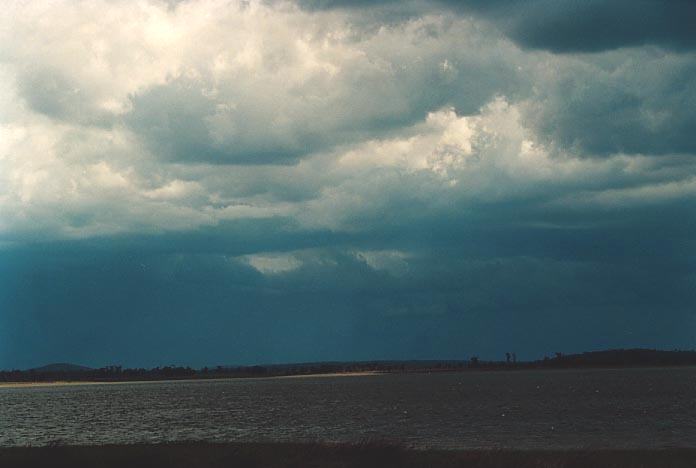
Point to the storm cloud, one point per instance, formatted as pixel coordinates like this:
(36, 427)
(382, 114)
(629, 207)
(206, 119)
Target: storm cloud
(591, 26)
(562, 26)
(219, 182)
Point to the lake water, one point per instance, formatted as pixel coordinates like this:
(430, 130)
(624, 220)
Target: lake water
(522, 409)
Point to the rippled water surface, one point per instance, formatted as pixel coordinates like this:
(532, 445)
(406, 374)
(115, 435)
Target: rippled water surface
(524, 409)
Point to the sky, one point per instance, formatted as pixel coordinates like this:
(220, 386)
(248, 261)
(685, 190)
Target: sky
(220, 182)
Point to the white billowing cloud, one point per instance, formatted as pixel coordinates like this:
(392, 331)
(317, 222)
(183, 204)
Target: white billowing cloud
(239, 81)
(82, 60)
(393, 261)
(450, 165)
(271, 264)
(175, 189)
(101, 94)
(448, 161)
(63, 180)
(123, 117)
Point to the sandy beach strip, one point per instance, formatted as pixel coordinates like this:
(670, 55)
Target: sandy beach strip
(61, 383)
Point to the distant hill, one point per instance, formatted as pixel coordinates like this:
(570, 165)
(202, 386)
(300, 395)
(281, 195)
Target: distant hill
(61, 367)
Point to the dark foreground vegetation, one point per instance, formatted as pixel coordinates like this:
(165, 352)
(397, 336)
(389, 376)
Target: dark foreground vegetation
(317, 455)
(595, 359)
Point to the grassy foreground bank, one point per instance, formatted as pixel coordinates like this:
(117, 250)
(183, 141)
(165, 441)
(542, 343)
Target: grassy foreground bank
(286, 455)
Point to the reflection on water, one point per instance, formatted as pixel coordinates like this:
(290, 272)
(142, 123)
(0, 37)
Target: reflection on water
(598, 408)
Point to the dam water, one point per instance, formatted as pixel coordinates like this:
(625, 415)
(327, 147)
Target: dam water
(648, 408)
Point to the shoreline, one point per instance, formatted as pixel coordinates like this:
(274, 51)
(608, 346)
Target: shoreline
(62, 383)
(315, 454)
(67, 383)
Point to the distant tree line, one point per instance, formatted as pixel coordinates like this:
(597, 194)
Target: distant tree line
(118, 373)
(596, 359)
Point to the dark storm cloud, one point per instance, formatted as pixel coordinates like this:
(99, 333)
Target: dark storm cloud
(590, 26)
(212, 183)
(465, 288)
(565, 26)
(645, 104)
